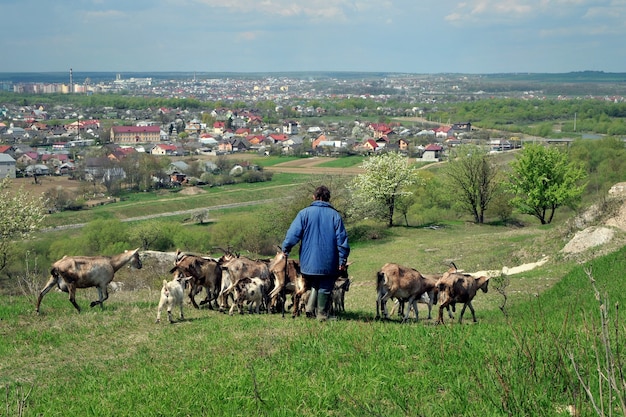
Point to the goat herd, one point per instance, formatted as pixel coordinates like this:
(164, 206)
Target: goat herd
(264, 284)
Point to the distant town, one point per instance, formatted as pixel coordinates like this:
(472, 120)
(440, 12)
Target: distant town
(263, 113)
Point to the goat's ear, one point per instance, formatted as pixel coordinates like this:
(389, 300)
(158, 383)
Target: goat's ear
(173, 269)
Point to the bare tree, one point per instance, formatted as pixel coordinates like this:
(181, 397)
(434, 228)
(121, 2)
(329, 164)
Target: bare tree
(472, 177)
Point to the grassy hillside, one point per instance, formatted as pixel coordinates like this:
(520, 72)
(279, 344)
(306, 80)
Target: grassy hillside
(538, 344)
(117, 361)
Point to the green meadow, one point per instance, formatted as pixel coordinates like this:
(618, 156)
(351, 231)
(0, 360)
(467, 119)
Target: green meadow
(547, 341)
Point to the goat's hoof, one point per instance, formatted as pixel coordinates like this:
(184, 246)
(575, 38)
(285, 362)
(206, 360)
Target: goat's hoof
(158, 321)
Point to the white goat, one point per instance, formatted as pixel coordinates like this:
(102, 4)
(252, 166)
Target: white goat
(172, 294)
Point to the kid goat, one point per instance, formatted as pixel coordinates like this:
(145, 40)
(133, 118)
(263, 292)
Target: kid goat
(172, 296)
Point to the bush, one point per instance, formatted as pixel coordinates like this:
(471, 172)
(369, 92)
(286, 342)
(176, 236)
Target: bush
(367, 231)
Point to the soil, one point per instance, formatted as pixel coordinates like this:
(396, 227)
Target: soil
(45, 183)
(52, 182)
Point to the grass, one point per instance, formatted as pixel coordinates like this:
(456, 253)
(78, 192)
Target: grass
(143, 204)
(345, 162)
(531, 355)
(117, 361)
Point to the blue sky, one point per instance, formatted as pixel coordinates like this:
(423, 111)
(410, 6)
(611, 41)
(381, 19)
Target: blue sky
(412, 36)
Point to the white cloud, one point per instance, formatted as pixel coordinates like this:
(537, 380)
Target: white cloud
(313, 9)
(498, 11)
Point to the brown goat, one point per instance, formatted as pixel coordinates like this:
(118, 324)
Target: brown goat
(240, 267)
(455, 287)
(284, 272)
(303, 285)
(403, 283)
(429, 298)
(72, 272)
(204, 272)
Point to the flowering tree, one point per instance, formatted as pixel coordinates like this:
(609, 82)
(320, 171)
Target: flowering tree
(384, 182)
(20, 215)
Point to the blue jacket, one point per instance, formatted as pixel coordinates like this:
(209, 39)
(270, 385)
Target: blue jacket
(324, 240)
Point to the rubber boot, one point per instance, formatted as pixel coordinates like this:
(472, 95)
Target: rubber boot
(311, 303)
(322, 305)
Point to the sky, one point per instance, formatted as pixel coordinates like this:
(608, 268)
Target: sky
(405, 36)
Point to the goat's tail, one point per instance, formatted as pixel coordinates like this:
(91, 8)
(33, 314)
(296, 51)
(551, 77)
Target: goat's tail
(380, 279)
(55, 273)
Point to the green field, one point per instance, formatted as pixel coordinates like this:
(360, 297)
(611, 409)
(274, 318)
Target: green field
(117, 361)
(536, 330)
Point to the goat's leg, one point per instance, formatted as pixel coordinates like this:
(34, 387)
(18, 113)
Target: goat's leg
(71, 288)
(182, 317)
(49, 285)
(266, 300)
(208, 298)
(296, 302)
(441, 307)
(397, 305)
(103, 295)
(381, 307)
(215, 292)
(192, 296)
(223, 302)
(471, 307)
(169, 314)
(412, 303)
(463, 311)
(158, 317)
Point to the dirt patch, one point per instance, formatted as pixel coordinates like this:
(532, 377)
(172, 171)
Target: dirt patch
(192, 191)
(45, 183)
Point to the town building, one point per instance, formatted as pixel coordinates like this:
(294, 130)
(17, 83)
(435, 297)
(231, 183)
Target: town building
(135, 134)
